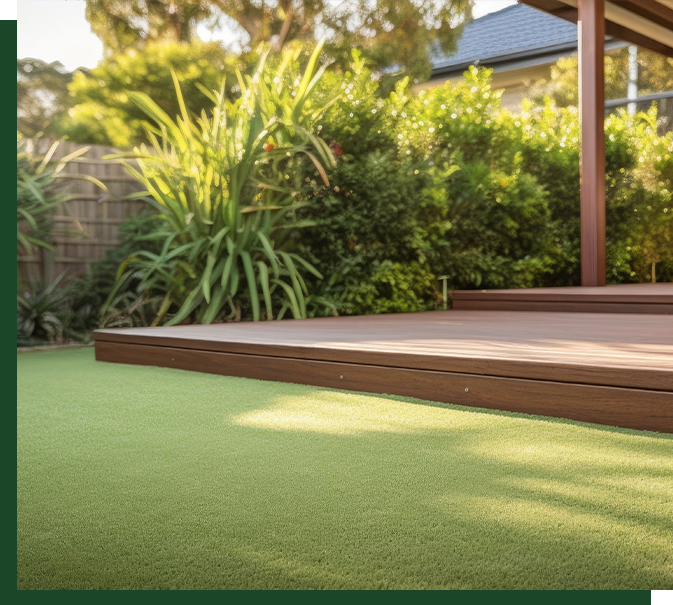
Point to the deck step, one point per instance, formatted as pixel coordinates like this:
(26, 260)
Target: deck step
(613, 369)
(623, 298)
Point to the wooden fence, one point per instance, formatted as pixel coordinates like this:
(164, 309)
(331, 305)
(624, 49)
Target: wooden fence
(86, 224)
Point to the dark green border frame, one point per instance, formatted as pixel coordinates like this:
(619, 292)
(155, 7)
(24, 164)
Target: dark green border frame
(7, 308)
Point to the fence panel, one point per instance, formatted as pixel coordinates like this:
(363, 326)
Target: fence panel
(86, 224)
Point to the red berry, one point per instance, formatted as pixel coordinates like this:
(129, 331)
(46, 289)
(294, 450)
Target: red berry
(336, 148)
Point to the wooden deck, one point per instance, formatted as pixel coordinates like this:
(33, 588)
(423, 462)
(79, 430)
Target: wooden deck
(614, 369)
(622, 298)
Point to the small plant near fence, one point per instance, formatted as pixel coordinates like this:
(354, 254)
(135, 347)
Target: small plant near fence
(42, 308)
(38, 194)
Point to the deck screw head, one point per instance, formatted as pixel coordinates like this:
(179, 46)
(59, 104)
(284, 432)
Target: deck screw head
(466, 390)
(341, 377)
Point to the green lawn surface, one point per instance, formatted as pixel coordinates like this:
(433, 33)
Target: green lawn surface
(150, 478)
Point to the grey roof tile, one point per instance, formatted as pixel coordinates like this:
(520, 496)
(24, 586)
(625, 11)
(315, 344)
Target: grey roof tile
(515, 29)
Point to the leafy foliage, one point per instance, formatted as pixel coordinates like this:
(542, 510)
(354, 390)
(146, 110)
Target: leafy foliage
(42, 309)
(103, 112)
(491, 230)
(638, 185)
(426, 186)
(392, 288)
(41, 313)
(41, 96)
(655, 74)
(397, 33)
(36, 192)
(124, 24)
(144, 231)
(446, 183)
(649, 196)
(410, 188)
(224, 184)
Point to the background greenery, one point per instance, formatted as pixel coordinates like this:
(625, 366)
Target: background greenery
(446, 183)
(414, 186)
(655, 74)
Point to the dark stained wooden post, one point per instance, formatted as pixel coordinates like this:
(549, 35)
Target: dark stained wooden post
(591, 36)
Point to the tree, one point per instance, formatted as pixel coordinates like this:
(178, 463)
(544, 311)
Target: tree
(655, 74)
(103, 113)
(122, 24)
(396, 33)
(41, 95)
(391, 32)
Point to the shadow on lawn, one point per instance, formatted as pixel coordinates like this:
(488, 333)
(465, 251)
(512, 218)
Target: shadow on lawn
(584, 509)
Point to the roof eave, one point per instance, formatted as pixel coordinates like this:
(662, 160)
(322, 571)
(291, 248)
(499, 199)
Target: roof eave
(549, 54)
(508, 58)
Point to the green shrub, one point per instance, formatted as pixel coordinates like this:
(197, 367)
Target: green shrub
(638, 191)
(41, 313)
(439, 183)
(431, 185)
(492, 229)
(392, 288)
(42, 309)
(446, 183)
(143, 231)
(651, 208)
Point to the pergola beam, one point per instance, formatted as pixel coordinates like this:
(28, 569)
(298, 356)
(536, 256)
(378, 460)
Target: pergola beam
(591, 35)
(637, 20)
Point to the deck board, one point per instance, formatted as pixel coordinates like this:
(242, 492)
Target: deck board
(654, 298)
(616, 368)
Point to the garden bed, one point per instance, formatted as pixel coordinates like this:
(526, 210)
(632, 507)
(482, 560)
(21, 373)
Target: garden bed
(36, 348)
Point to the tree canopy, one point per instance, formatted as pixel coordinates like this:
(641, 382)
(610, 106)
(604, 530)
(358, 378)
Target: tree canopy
(101, 110)
(41, 95)
(392, 33)
(655, 74)
(123, 24)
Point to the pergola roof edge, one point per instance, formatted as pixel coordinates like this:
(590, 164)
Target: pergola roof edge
(650, 22)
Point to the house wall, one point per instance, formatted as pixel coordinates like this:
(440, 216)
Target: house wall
(513, 82)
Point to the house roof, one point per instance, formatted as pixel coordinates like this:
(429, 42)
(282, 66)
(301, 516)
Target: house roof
(513, 33)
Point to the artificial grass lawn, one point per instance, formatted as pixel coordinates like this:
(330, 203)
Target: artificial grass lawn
(140, 477)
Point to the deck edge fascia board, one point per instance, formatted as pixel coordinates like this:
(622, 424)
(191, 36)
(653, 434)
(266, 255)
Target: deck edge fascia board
(648, 379)
(614, 406)
(662, 293)
(661, 299)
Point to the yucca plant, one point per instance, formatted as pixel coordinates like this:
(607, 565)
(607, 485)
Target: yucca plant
(40, 312)
(226, 184)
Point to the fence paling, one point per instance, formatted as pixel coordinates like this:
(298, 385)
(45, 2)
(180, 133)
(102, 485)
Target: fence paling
(86, 225)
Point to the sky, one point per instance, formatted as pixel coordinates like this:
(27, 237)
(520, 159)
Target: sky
(56, 30)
